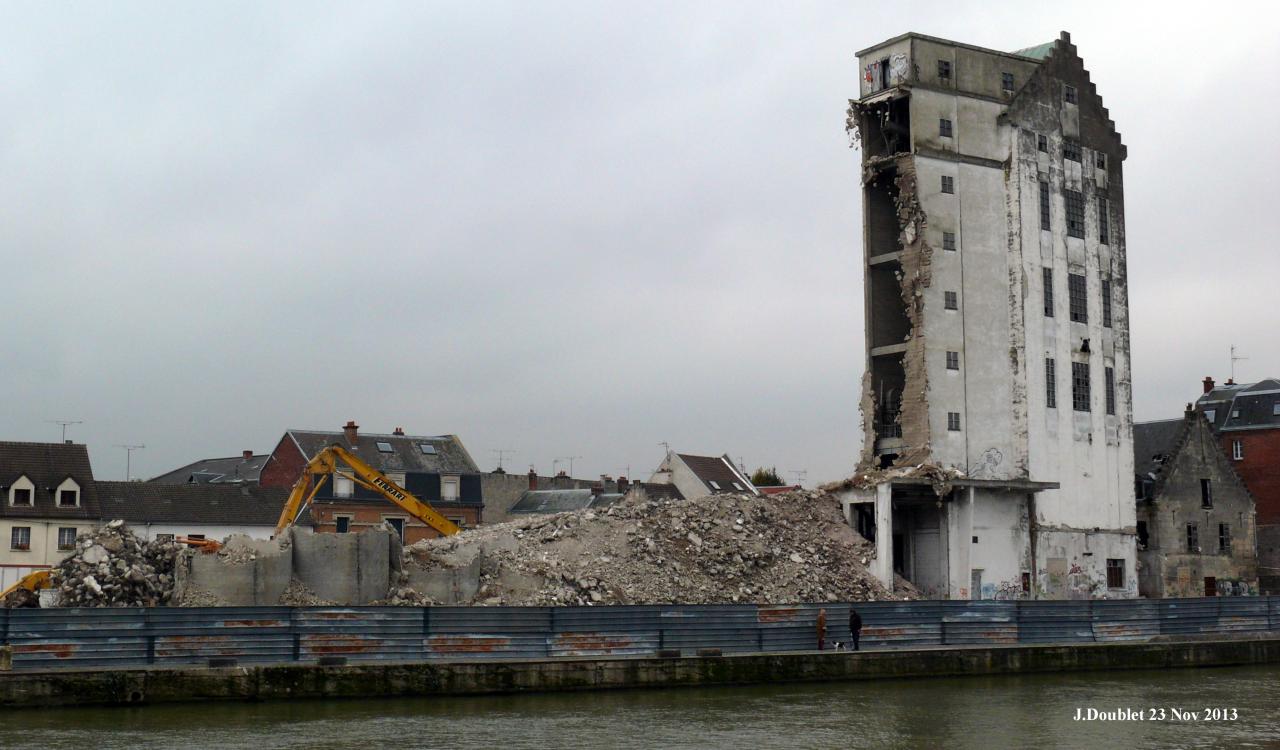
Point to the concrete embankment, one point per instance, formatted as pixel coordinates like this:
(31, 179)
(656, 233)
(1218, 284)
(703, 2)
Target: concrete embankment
(276, 682)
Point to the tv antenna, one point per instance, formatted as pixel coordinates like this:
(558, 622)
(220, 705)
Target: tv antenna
(128, 458)
(65, 423)
(666, 447)
(570, 459)
(502, 453)
(1234, 358)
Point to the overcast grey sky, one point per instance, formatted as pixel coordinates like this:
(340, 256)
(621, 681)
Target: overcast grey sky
(568, 229)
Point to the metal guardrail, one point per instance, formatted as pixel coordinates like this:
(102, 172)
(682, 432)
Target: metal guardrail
(164, 637)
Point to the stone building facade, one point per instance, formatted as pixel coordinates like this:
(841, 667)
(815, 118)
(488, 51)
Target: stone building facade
(1195, 529)
(997, 459)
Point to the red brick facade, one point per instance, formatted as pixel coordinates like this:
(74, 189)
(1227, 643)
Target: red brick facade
(284, 466)
(363, 516)
(1259, 468)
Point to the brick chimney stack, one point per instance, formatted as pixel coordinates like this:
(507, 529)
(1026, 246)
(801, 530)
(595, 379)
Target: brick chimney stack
(246, 455)
(623, 484)
(533, 479)
(351, 431)
(1208, 384)
(398, 431)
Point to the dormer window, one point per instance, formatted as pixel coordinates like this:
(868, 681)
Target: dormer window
(22, 493)
(67, 495)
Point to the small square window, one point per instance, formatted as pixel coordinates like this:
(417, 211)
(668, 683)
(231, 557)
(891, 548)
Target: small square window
(66, 538)
(68, 498)
(384, 447)
(953, 421)
(950, 301)
(953, 360)
(20, 538)
(1071, 151)
(342, 524)
(1210, 414)
(1069, 94)
(714, 484)
(22, 496)
(944, 69)
(737, 486)
(944, 127)
(1275, 409)
(948, 184)
(427, 448)
(949, 241)
(1115, 573)
(1042, 143)
(1006, 81)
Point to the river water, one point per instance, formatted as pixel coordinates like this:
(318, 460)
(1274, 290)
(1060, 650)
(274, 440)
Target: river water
(973, 712)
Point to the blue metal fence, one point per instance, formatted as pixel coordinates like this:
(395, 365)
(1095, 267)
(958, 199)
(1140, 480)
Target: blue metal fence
(105, 638)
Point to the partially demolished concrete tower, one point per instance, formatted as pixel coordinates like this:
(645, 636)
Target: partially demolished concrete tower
(998, 457)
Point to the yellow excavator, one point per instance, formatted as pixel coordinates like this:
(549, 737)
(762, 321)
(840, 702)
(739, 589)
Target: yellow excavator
(327, 462)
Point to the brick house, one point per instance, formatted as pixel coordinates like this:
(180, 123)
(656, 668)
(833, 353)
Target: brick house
(1246, 420)
(1195, 519)
(47, 498)
(436, 469)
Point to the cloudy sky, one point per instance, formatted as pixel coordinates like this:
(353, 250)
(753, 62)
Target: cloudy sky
(566, 229)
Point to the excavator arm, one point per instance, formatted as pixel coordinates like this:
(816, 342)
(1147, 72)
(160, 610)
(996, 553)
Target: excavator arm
(326, 463)
(33, 582)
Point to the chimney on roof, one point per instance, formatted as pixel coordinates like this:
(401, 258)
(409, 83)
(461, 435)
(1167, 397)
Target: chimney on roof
(1190, 412)
(1208, 384)
(1230, 381)
(623, 485)
(596, 489)
(533, 479)
(399, 431)
(351, 431)
(246, 455)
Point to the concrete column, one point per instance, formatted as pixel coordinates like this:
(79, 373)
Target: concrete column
(882, 569)
(960, 541)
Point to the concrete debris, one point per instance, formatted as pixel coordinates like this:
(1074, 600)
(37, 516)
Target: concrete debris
(940, 478)
(113, 568)
(718, 549)
(296, 594)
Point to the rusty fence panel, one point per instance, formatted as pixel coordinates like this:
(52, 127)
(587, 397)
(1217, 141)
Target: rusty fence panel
(359, 633)
(604, 631)
(4, 625)
(78, 638)
(1125, 619)
(1275, 612)
(1188, 616)
(1242, 614)
(898, 624)
(1055, 622)
(453, 633)
(979, 623)
(794, 627)
(180, 635)
(730, 628)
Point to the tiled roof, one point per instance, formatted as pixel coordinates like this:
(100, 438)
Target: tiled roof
(445, 453)
(216, 470)
(660, 491)
(718, 473)
(1243, 406)
(1154, 444)
(559, 501)
(47, 465)
(1038, 52)
(218, 504)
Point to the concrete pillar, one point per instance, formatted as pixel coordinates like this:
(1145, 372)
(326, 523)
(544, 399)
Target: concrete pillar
(882, 568)
(960, 542)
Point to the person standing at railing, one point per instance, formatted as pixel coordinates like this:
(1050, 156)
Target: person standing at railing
(822, 628)
(855, 626)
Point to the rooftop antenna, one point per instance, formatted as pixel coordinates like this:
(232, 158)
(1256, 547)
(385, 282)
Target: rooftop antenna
(128, 458)
(570, 459)
(800, 475)
(502, 453)
(627, 471)
(1234, 358)
(65, 423)
(666, 447)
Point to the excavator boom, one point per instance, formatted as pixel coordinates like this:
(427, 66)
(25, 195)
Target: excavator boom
(326, 462)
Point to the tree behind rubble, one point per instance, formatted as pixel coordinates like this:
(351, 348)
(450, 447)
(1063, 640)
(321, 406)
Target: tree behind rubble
(766, 477)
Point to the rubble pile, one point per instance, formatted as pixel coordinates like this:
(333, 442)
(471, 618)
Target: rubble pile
(717, 549)
(113, 568)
